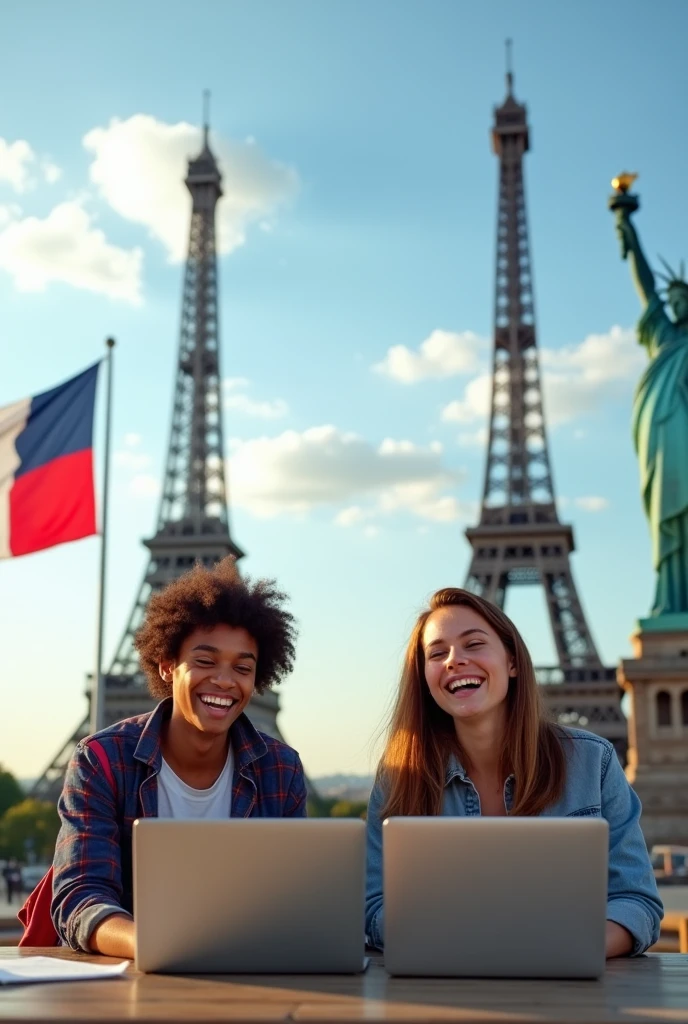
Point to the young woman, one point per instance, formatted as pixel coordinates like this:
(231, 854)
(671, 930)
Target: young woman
(468, 736)
(209, 640)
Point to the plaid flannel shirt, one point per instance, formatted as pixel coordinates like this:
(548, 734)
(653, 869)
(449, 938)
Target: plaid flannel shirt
(93, 855)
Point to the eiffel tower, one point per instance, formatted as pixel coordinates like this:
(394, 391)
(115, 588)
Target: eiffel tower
(193, 523)
(520, 539)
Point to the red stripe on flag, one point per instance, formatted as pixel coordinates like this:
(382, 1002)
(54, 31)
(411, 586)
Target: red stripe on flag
(53, 504)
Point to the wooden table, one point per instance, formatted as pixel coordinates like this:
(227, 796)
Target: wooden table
(652, 988)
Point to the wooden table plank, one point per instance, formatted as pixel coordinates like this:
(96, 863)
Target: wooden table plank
(649, 990)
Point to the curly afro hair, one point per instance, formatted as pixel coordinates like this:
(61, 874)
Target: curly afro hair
(206, 597)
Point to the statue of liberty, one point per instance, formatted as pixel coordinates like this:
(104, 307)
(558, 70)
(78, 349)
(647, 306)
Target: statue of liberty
(660, 411)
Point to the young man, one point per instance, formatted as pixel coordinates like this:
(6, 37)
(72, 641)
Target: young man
(208, 641)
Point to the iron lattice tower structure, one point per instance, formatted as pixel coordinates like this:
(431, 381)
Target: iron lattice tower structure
(193, 522)
(520, 539)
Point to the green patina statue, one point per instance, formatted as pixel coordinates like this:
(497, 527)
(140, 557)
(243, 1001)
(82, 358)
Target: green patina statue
(660, 414)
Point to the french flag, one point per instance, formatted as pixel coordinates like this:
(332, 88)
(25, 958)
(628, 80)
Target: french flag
(46, 467)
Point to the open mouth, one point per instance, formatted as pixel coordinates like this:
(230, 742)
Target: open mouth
(463, 687)
(216, 706)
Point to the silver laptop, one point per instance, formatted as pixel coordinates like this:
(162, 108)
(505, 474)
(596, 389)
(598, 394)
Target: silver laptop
(495, 897)
(256, 895)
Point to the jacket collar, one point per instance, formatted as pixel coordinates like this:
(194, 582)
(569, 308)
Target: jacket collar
(455, 770)
(247, 743)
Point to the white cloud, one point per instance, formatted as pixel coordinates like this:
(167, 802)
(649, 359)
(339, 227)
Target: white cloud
(473, 408)
(144, 485)
(262, 410)
(576, 380)
(324, 467)
(580, 379)
(236, 400)
(16, 159)
(473, 438)
(442, 354)
(134, 463)
(592, 503)
(131, 460)
(235, 383)
(139, 166)
(66, 247)
(351, 516)
(475, 403)
(51, 172)
(422, 498)
(8, 212)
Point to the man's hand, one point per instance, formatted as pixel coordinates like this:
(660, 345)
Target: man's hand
(618, 941)
(114, 936)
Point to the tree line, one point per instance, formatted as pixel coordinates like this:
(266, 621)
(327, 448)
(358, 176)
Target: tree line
(28, 828)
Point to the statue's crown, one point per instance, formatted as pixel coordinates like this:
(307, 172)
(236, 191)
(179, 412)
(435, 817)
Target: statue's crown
(671, 278)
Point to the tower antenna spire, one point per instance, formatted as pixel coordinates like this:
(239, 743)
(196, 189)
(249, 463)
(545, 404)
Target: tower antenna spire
(509, 69)
(206, 115)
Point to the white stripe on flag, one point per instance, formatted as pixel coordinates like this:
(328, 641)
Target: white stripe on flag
(12, 421)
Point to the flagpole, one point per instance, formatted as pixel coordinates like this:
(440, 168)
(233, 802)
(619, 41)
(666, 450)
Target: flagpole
(98, 688)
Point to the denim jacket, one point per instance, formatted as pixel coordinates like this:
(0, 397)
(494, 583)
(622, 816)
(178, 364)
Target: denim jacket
(93, 856)
(596, 786)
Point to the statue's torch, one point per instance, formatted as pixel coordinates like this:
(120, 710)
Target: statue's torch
(623, 202)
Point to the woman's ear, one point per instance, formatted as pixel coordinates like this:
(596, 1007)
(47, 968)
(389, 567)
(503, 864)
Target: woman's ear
(512, 670)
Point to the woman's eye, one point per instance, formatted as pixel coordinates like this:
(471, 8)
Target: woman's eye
(243, 669)
(204, 663)
(437, 654)
(472, 646)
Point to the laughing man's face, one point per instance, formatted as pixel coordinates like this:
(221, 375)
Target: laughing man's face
(213, 677)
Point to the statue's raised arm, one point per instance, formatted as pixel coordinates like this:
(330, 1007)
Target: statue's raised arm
(624, 204)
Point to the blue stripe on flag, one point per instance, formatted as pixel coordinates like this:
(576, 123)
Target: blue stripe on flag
(60, 422)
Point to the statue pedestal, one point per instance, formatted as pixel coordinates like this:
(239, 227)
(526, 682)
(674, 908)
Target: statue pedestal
(656, 680)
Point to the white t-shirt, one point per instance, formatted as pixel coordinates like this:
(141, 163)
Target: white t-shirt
(177, 800)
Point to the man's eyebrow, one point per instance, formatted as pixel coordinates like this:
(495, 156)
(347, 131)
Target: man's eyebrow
(216, 650)
(473, 629)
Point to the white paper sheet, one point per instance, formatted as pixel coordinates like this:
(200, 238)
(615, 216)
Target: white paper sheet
(30, 969)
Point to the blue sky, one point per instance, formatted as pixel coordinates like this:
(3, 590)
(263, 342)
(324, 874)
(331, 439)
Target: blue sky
(359, 217)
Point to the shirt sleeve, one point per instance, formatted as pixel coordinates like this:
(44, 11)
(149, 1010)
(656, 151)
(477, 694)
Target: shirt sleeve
(374, 910)
(295, 803)
(87, 870)
(632, 897)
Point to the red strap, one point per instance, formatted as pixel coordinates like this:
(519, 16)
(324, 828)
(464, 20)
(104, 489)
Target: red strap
(99, 750)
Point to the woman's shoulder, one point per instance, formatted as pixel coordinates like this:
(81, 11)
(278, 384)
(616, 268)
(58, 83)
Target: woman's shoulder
(585, 737)
(586, 748)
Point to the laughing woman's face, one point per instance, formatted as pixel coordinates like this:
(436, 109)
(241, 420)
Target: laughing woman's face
(467, 667)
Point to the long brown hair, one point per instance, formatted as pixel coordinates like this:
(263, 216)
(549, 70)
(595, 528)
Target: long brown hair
(422, 736)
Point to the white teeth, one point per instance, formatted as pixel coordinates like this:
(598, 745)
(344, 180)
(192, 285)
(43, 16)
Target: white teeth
(459, 683)
(217, 702)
